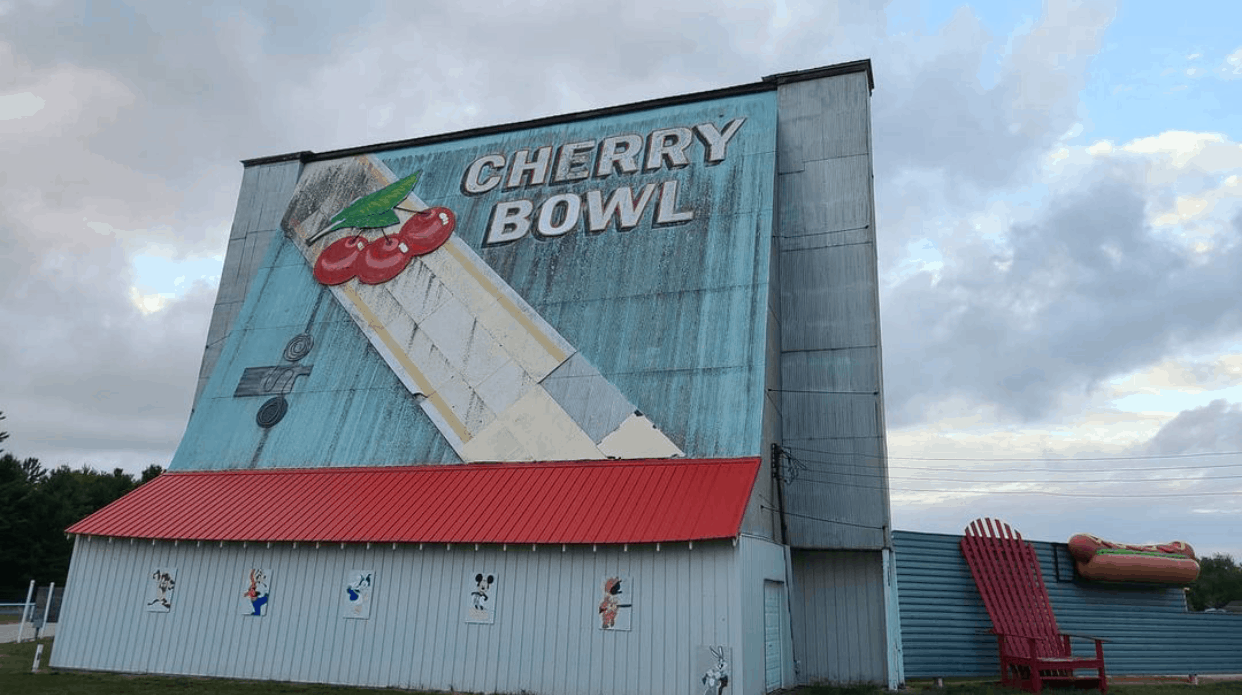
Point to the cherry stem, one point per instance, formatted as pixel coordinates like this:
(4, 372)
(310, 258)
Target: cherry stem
(411, 210)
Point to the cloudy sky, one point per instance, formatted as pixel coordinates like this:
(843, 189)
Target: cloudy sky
(1059, 190)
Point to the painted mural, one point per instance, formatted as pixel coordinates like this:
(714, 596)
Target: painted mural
(480, 601)
(459, 337)
(276, 381)
(160, 585)
(255, 592)
(617, 603)
(713, 666)
(358, 587)
(586, 290)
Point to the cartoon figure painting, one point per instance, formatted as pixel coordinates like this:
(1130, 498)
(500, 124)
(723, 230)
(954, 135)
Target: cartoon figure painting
(358, 586)
(614, 609)
(480, 608)
(255, 592)
(714, 665)
(160, 588)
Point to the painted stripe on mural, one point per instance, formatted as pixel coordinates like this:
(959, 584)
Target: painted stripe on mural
(407, 364)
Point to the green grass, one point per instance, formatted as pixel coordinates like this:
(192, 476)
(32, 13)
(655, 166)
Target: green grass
(15, 677)
(16, 659)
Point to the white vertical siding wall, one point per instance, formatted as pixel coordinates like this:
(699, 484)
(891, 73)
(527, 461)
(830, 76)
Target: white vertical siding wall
(761, 560)
(838, 611)
(545, 638)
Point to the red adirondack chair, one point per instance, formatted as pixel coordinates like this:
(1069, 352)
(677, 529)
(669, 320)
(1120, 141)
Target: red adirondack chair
(1033, 650)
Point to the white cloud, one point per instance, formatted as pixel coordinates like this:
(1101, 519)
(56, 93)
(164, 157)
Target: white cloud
(20, 105)
(1232, 67)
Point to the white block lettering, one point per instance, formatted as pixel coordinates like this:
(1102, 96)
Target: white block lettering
(522, 165)
(621, 204)
(666, 211)
(472, 184)
(668, 144)
(619, 152)
(548, 214)
(574, 162)
(718, 142)
(510, 221)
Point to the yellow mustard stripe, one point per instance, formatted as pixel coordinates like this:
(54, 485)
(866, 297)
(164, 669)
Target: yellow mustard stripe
(373, 167)
(516, 312)
(406, 363)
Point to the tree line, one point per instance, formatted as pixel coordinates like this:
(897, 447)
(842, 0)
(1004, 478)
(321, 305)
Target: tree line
(1219, 582)
(37, 505)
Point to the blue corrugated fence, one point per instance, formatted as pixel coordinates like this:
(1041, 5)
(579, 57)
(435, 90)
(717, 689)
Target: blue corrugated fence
(944, 623)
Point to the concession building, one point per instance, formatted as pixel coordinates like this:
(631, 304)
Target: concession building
(590, 403)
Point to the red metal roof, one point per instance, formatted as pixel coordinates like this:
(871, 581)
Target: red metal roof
(642, 501)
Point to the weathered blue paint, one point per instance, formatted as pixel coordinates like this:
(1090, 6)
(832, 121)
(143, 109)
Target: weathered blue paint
(675, 316)
(944, 623)
(351, 410)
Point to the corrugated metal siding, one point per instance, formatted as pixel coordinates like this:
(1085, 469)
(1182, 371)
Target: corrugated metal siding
(673, 315)
(265, 191)
(762, 561)
(832, 403)
(943, 619)
(350, 410)
(838, 616)
(576, 502)
(545, 637)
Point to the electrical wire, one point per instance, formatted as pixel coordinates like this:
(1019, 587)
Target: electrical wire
(1028, 469)
(870, 473)
(960, 491)
(1044, 459)
(830, 521)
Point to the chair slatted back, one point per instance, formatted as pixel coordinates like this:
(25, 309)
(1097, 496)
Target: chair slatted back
(1006, 571)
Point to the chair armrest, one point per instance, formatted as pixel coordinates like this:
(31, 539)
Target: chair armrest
(1081, 636)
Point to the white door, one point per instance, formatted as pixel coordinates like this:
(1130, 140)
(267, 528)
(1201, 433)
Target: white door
(773, 624)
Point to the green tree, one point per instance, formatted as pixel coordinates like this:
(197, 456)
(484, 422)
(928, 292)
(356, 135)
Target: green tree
(36, 506)
(1219, 582)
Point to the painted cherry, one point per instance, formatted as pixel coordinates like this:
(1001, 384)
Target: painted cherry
(426, 231)
(338, 262)
(382, 260)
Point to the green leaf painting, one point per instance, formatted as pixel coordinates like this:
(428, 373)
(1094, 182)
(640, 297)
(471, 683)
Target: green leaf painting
(374, 210)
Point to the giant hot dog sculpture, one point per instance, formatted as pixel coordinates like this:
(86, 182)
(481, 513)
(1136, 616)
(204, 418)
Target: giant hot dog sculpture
(1105, 561)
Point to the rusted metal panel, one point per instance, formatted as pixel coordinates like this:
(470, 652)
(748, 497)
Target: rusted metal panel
(838, 625)
(545, 636)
